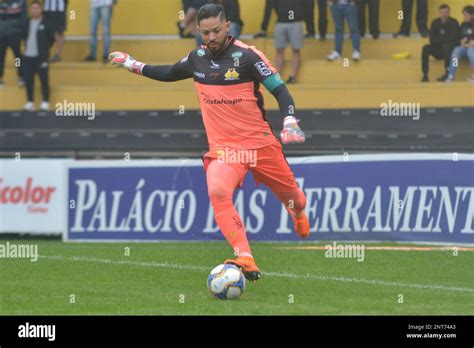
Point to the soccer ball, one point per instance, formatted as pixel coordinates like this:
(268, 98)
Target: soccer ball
(226, 282)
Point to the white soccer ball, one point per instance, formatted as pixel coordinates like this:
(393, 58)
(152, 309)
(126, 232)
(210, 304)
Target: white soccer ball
(226, 282)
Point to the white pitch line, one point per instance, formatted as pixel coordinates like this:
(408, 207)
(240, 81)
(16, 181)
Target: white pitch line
(268, 274)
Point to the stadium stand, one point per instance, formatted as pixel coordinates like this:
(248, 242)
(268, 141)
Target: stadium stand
(324, 89)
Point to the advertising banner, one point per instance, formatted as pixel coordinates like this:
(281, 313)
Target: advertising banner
(398, 197)
(33, 196)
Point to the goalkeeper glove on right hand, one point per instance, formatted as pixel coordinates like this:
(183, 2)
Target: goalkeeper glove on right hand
(291, 132)
(123, 60)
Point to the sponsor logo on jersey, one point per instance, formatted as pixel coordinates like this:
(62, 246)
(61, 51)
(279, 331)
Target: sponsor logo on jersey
(231, 74)
(214, 75)
(200, 75)
(237, 54)
(222, 101)
(263, 68)
(201, 52)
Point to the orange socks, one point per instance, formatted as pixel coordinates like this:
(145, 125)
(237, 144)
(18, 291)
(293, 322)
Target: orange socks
(222, 181)
(231, 225)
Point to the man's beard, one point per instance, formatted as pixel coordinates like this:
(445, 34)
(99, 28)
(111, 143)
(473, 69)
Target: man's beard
(217, 46)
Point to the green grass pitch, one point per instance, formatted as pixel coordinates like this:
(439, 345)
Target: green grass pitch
(170, 279)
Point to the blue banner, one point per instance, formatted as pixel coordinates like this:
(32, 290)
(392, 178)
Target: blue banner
(365, 197)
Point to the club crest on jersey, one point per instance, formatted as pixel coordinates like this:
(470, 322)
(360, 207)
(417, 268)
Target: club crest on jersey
(231, 74)
(200, 52)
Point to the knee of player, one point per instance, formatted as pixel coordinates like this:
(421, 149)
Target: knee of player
(218, 192)
(297, 202)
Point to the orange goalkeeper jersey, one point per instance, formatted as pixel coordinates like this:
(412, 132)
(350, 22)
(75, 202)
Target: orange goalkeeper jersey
(228, 89)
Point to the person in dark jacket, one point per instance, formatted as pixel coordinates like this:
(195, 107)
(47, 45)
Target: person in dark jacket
(309, 21)
(444, 36)
(288, 31)
(466, 44)
(232, 12)
(374, 7)
(190, 8)
(421, 17)
(38, 40)
(55, 14)
(12, 17)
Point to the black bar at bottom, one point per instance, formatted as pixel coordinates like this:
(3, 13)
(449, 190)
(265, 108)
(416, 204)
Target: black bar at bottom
(137, 330)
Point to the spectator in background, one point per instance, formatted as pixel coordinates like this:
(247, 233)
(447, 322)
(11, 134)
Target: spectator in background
(55, 15)
(345, 9)
(421, 17)
(322, 20)
(309, 21)
(374, 7)
(101, 10)
(232, 12)
(466, 47)
(288, 30)
(39, 39)
(12, 17)
(186, 27)
(444, 36)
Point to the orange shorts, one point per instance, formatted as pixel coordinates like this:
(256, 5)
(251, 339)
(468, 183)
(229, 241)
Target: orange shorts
(267, 164)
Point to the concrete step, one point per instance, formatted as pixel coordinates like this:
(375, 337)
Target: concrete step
(181, 94)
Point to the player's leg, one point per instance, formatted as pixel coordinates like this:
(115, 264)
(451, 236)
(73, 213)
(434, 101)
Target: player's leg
(274, 171)
(222, 180)
(296, 36)
(281, 42)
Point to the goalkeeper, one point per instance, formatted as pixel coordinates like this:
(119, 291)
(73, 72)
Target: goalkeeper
(227, 75)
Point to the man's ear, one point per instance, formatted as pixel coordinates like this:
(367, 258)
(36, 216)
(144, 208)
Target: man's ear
(227, 25)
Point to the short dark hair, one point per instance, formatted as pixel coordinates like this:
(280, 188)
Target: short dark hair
(444, 6)
(468, 9)
(211, 11)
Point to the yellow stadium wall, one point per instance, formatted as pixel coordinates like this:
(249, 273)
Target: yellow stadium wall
(159, 17)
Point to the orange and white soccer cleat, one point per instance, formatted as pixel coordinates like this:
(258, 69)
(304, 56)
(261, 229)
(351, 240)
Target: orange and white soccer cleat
(301, 225)
(247, 265)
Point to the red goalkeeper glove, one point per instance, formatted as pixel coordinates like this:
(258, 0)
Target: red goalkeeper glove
(291, 132)
(123, 60)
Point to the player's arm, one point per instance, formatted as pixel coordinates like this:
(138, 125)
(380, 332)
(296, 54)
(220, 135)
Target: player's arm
(291, 132)
(266, 74)
(165, 73)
